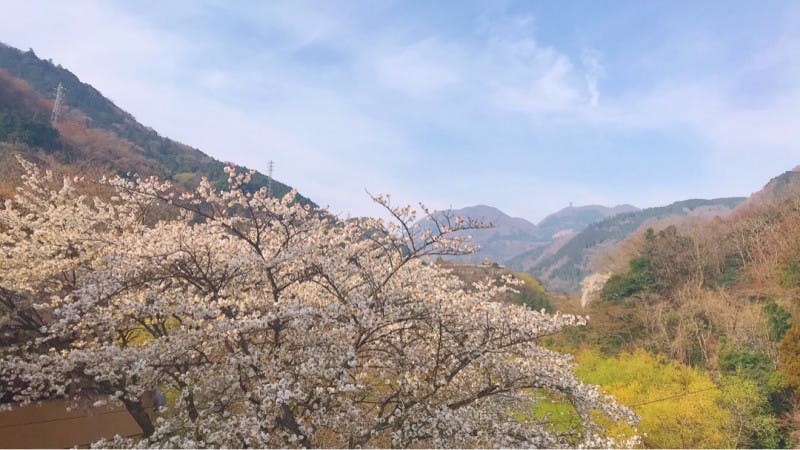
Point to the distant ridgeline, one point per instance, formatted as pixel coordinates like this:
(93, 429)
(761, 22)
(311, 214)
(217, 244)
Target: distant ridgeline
(565, 268)
(558, 250)
(95, 133)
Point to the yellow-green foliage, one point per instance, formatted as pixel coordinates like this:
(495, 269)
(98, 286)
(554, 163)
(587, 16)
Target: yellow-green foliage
(555, 413)
(679, 405)
(558, 413)
(530, 281)
(186, 178)
(752, 425)
(789, 353)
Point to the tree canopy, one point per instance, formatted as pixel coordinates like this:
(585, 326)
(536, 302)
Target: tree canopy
(270, 324)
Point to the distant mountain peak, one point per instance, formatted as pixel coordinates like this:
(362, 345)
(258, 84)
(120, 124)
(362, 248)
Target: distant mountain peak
(579, 217)
(511, 237)
(480, 209)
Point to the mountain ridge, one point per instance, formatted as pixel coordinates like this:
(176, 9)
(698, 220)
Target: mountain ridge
(507, 236)
(565, 267)
(777, 189)
(93, 124)
(512, 236)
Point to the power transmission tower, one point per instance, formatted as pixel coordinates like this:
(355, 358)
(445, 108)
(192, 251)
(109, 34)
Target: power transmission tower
(270, 168)
(58, 105)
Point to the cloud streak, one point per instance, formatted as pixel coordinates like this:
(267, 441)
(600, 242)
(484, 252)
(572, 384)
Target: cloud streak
(482, 106)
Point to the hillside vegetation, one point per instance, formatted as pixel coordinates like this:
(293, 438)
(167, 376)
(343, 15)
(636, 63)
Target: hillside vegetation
(564, 268)
(565, 247)
(95, 134)
(719, 295)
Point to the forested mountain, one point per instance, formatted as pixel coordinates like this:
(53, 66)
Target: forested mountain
(559, 249)
(506, 237)
(560, 227)
(573, 219)
(777, 190)
(694, 320)
(564, 268)
(95, 134)
(717, 296)
(510, 237)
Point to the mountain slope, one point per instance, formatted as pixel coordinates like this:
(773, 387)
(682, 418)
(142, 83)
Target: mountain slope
(564, 268)
(511, 237)
(507, 237)
(780, 188)
(97, 134)
(718, 294)
(558, 228)
(575, 218)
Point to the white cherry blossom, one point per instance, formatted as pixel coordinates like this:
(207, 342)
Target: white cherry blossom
(268, 323)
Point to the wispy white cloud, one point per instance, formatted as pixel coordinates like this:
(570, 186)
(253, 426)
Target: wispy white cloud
(344, 99)
(421, 68)
(593, 70)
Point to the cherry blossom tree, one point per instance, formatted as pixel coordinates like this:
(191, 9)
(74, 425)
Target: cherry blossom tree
(267, 323)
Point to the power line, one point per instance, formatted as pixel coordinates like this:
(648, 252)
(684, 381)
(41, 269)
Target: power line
(672, 397)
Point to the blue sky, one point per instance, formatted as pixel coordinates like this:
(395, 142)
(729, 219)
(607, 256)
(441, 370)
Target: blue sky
(525, 106)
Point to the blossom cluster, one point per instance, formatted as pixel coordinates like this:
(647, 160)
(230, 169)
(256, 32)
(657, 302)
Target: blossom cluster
(267, 323)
